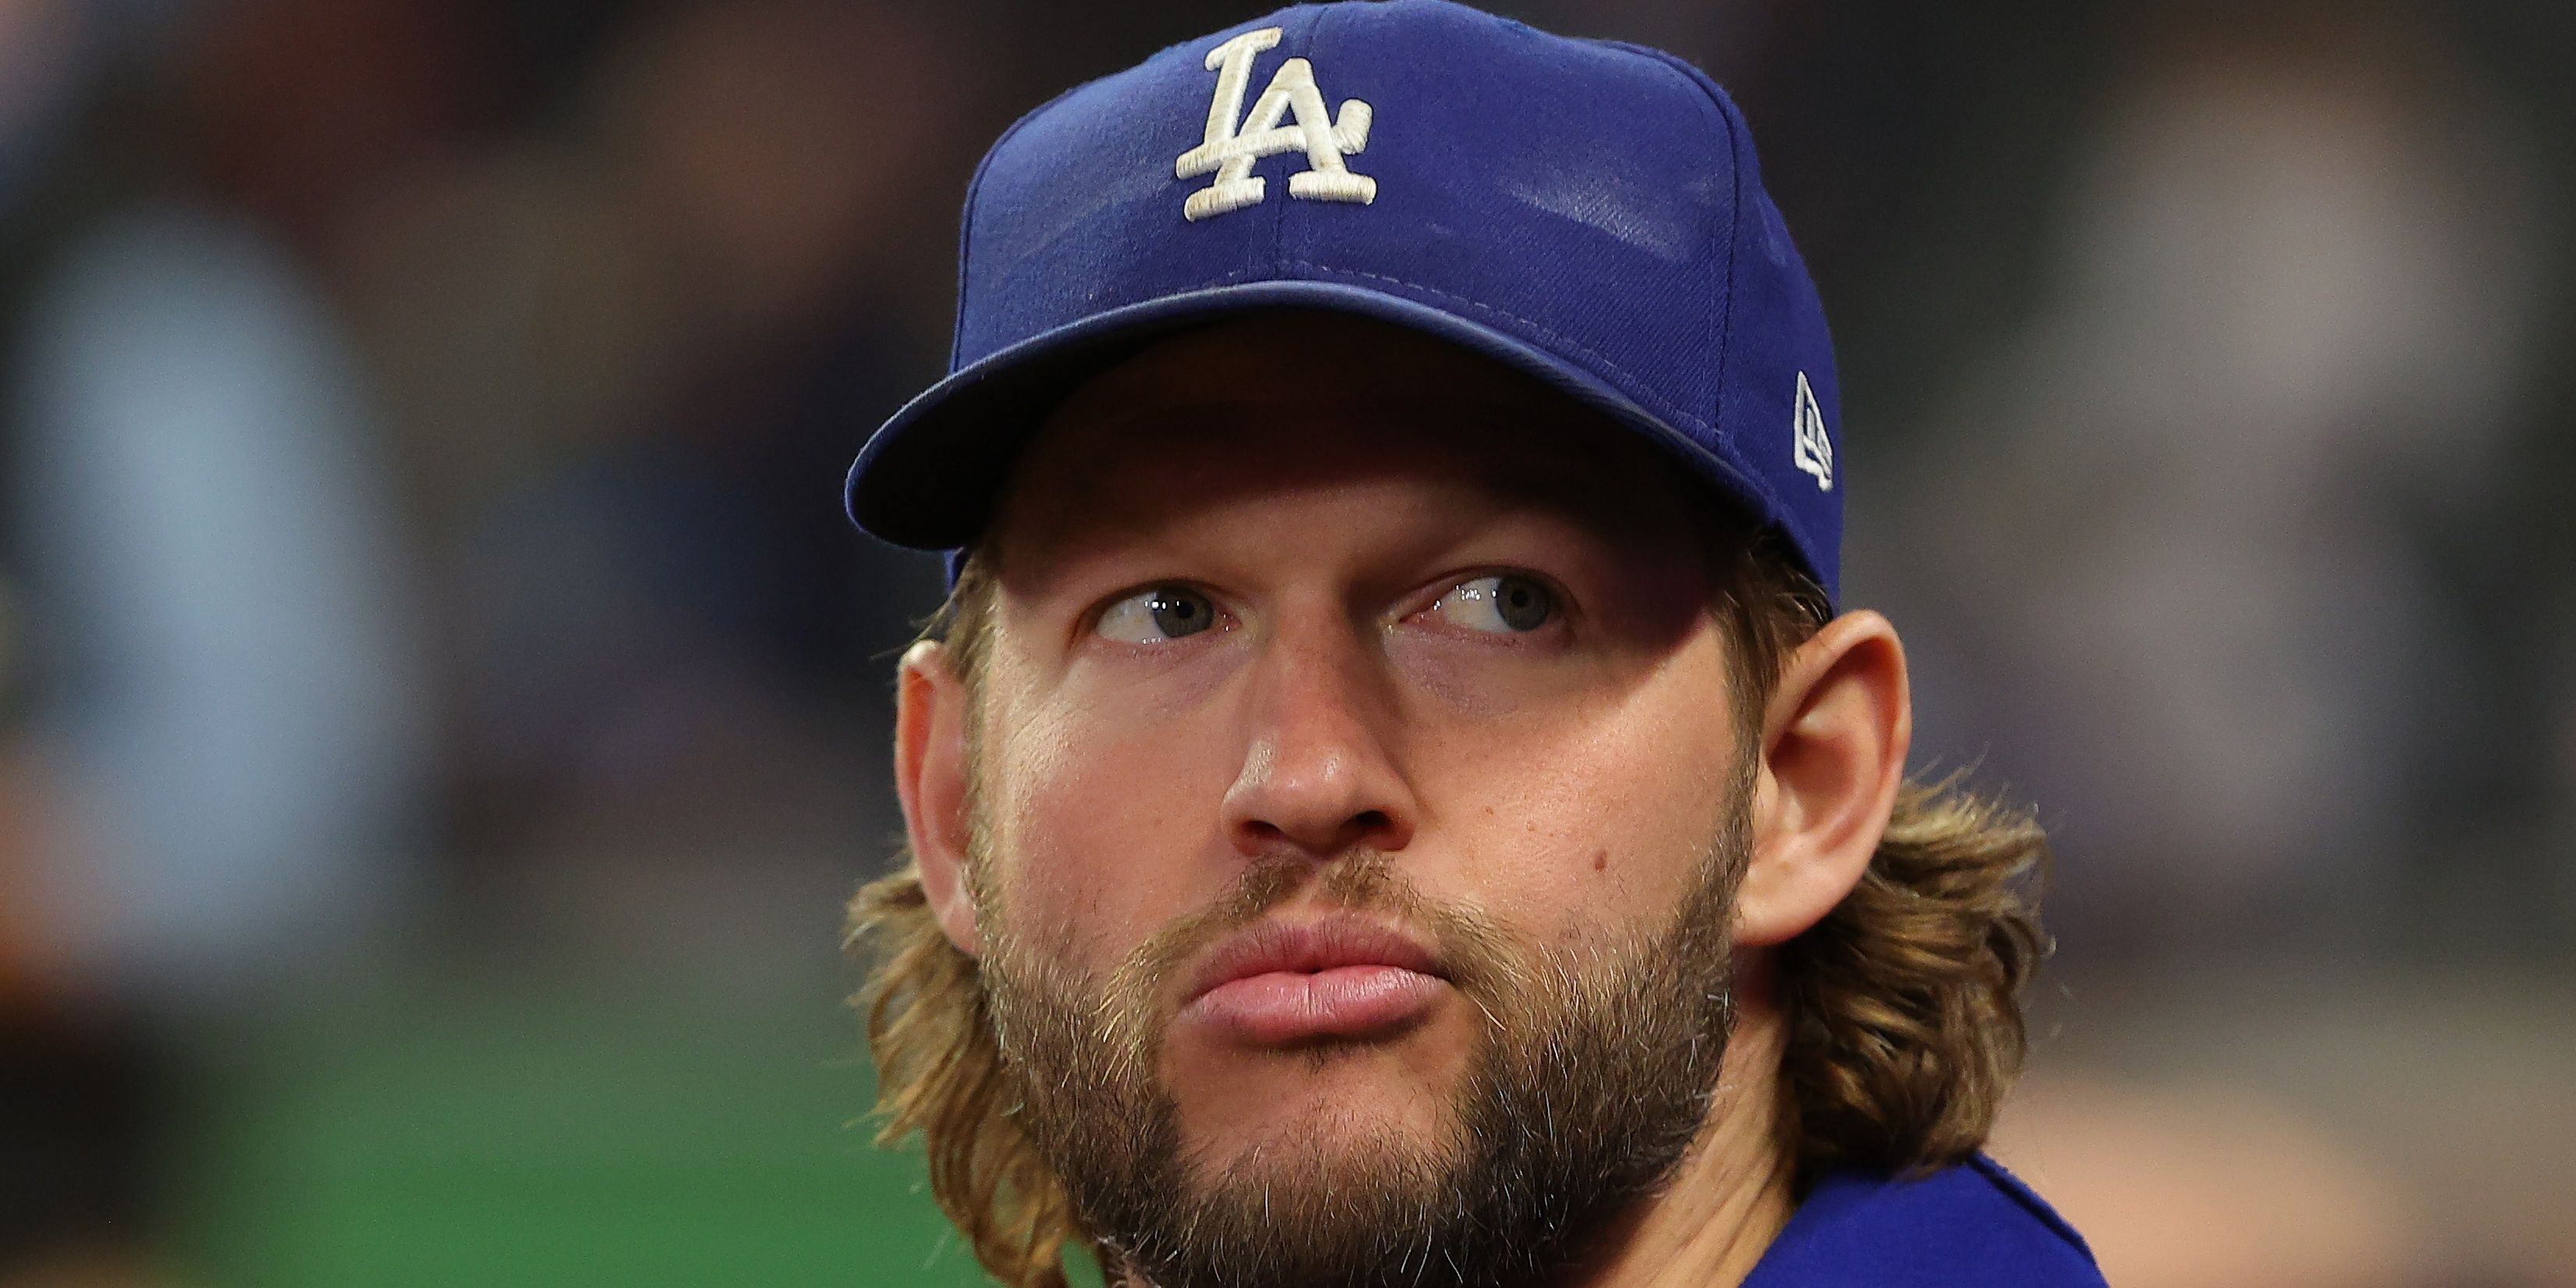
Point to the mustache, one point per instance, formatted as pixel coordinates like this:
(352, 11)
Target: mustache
(1473, 949)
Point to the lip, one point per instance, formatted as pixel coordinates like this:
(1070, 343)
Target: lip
(1280, 983)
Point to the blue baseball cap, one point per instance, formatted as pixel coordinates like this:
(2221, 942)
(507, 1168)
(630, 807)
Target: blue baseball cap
(1589, 213)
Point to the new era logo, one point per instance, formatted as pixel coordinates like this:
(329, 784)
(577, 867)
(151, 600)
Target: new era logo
(1809, 449)
(1230, 152)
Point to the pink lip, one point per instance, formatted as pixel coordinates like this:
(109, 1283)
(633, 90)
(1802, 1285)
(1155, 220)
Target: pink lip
(1281, 983)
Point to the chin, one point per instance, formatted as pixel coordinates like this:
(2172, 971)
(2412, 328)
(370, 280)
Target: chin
(1316, 1106)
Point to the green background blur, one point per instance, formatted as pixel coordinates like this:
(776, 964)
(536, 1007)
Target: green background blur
(496, 1138)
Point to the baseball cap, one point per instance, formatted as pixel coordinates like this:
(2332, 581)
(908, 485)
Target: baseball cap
(1587, 212)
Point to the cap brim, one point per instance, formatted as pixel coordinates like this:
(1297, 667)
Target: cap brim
(930, 476)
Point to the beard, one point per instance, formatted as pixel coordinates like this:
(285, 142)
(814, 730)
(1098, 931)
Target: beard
(1585, 1091)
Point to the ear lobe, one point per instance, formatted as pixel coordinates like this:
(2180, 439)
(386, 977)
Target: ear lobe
(1834, 737)
(930, 768)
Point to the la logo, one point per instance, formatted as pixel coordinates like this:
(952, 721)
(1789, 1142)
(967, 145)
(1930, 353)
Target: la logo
(1809, 449)
(1229, 152)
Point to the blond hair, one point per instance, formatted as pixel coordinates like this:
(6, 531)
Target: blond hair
(1903, 1005)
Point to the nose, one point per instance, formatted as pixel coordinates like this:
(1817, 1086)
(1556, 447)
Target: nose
(1317, 774)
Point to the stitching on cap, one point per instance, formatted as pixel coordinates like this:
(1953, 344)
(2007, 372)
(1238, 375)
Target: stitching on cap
(1738, 142)
(1320, 14)
(1651, 401)
(1700, 87)
(966, 224)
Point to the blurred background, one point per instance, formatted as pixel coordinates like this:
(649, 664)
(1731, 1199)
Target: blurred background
(442, 711)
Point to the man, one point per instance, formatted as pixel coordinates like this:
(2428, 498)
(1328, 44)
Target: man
(1389, 798)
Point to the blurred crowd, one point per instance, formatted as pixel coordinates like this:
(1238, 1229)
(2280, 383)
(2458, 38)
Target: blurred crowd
(421, 424)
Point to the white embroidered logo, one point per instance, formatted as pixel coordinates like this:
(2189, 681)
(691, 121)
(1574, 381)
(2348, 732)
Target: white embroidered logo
(1808, 447)
(1230, 153)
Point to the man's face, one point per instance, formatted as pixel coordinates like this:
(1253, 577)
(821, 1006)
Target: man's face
(1357, 800)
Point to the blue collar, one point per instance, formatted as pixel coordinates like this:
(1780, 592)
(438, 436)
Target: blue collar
(1973, 1225)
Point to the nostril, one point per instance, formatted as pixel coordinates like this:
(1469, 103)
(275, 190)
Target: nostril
(1371, 822)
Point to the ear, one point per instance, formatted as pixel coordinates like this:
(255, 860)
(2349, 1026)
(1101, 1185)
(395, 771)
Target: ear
(1834, 737)
(931, 712)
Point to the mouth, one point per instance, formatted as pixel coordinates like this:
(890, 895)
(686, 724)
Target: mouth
(1284, 983)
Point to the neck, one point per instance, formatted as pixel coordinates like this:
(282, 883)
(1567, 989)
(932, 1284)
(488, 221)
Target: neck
(1732, 1194)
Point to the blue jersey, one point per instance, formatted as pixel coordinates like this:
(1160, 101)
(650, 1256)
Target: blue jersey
(1969, 1226)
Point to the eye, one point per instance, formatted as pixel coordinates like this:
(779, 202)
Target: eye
(1503, 603)
(1156, 615)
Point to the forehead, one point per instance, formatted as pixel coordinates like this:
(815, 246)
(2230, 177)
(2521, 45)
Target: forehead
(1221, 420)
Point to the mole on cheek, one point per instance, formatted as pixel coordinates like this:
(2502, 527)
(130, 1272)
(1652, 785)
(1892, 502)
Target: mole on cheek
(1600, 860)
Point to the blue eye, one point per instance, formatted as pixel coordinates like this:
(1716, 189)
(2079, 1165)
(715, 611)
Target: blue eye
(1503, 603)
(1162, 613)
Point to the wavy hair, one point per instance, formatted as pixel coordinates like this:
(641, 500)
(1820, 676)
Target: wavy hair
(1903, 1006)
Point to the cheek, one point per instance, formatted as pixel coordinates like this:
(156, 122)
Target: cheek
(1592, 822)
(1100, 828)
